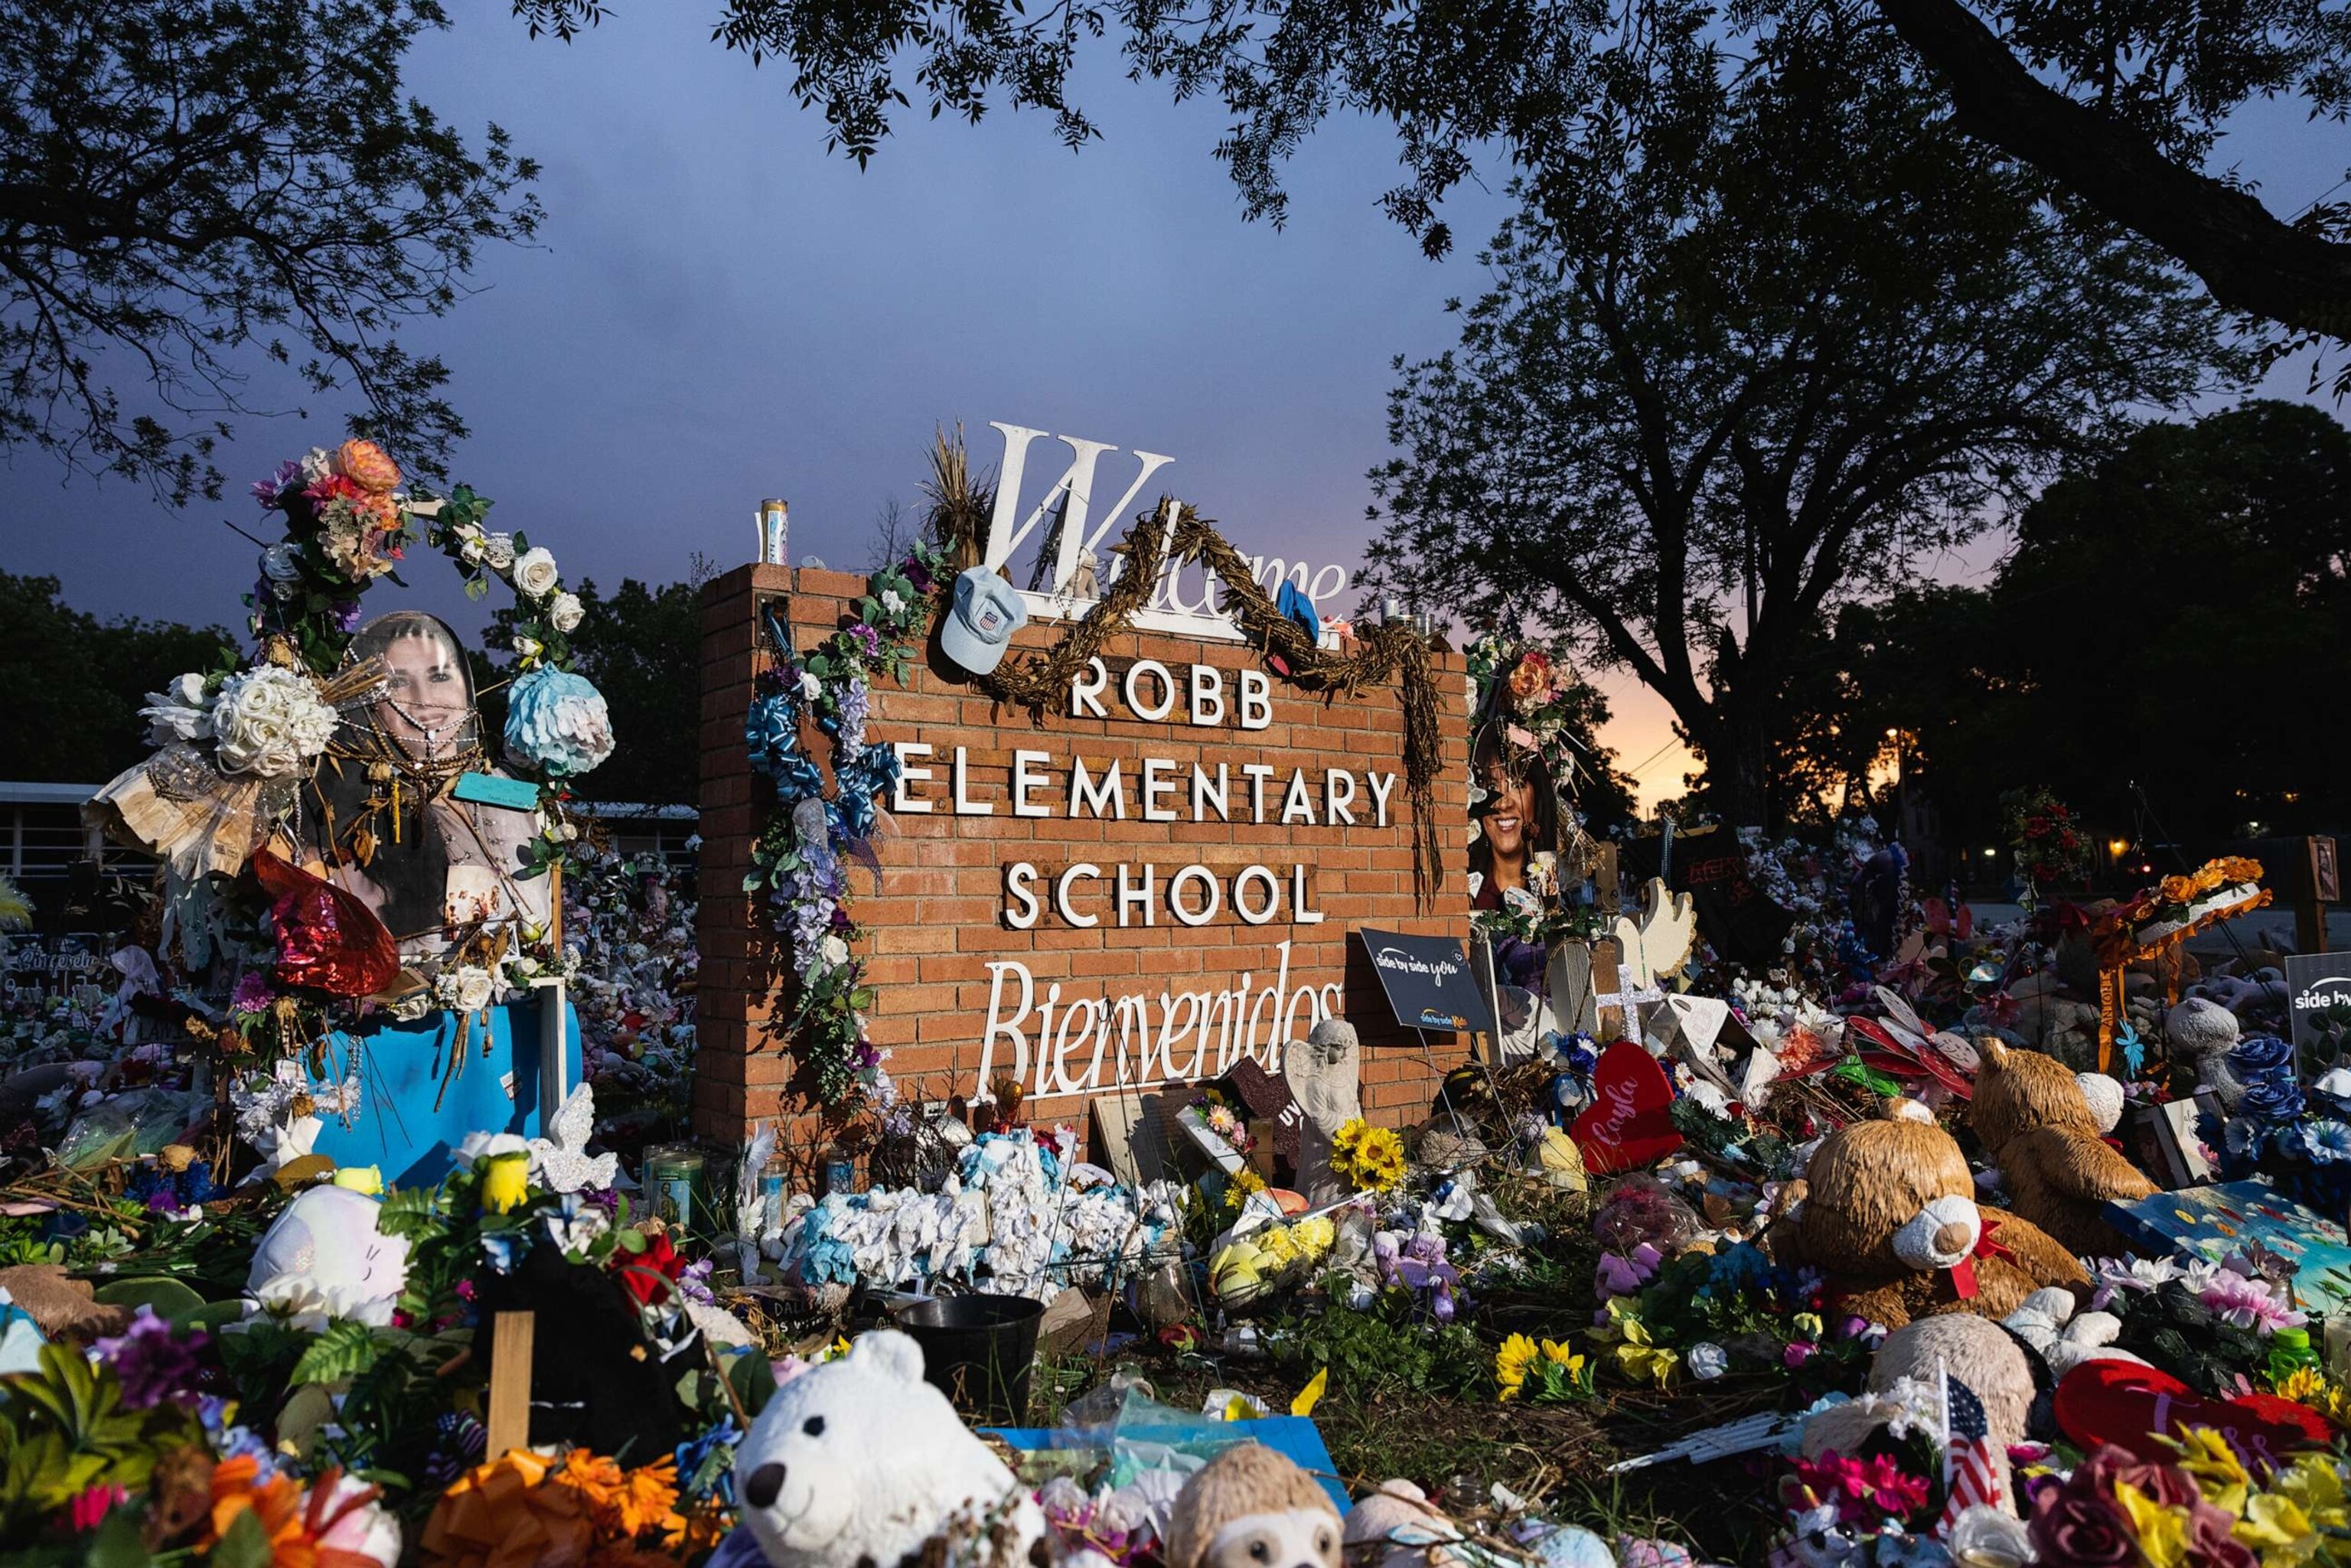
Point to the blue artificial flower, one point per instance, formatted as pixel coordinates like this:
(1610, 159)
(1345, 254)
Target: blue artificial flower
(712, 1451)
(1741, 1267)
(2327, 1140)
(2273, 1098)
(2261, 1053)
(503, 1249)
(2242, 1137)
(557, 721)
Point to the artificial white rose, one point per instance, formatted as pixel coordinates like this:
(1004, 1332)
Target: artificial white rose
(535, 573)
(498, 550)
(836, 952)
(810, 687)
(528, 648)
(465, 988)
(281, 563)
(270, 721)
(179, 712)
(471, 552)
(566, 613)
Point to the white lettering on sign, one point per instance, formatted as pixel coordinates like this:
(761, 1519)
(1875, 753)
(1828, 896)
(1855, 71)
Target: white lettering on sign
(1186, 599)
(1054, 1037)
(1087, 1045)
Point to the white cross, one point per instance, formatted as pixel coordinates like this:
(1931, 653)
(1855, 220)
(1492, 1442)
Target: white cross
(1629, 994)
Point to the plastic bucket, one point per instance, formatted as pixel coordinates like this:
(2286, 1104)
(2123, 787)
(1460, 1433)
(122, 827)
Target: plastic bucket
(977, 1350)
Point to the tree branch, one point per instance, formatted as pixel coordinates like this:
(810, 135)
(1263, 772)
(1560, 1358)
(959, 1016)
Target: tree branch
(2249, 258)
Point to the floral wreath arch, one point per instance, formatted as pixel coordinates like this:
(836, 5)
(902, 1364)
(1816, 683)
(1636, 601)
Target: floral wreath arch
(235, 743)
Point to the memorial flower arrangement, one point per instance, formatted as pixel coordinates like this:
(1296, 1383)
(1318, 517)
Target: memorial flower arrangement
(798, 860)
(2299, 1138)
(1534, 695)
(2046, 838)
(1700, 1316)
(1367, 1158)
(1248, 1268)
(2206, 1508)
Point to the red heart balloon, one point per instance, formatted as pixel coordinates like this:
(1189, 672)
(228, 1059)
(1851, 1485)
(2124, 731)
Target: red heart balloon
(326, 937)
(2131, 1405)
(1630, 1120)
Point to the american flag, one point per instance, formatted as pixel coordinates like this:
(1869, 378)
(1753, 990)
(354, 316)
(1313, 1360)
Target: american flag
(1971, 1469)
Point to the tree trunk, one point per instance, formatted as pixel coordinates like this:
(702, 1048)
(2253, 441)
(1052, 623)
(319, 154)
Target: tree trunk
(1733, 738)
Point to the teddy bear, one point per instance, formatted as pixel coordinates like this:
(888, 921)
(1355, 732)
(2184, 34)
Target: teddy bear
(860, 1461)
(1905, 1382)
(1887, 1210)
(1252, 1507)
(2201, 1033)
(2035, 1122)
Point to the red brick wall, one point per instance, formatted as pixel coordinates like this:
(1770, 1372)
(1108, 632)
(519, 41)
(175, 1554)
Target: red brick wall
(937, 919)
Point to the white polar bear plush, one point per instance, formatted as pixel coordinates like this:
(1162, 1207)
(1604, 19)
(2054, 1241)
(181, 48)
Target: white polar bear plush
(860, 1461)
(323, 1258)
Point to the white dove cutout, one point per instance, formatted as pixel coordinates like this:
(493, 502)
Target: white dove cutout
(1658, 944)
(565, 1163)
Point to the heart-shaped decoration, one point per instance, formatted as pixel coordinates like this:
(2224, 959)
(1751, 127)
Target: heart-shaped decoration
(1630, 1120)
(2131, 1407)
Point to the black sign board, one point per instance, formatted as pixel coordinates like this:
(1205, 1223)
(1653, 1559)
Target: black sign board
(1427, 981)
(2318, 1001)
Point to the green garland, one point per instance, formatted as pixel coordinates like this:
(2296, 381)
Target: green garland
(807, 836)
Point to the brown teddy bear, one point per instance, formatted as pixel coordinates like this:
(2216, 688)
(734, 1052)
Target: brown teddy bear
(2037, 1125)
(1252, 1507)
(1887, 1211)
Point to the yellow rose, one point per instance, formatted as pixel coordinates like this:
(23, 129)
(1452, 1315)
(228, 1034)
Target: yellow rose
(367, 1179)
(505, 1182)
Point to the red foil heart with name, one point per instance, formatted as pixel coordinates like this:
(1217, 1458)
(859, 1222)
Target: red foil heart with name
(2132, 1407)
(1630, 1120)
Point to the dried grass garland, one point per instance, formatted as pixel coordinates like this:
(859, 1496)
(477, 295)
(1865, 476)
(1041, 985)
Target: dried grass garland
(1176, 532)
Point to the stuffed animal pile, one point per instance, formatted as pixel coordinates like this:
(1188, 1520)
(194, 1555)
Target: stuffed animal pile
(1887, 1211)
(2035, 1123)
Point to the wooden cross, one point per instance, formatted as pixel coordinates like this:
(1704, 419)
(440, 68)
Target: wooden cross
(1629, 996)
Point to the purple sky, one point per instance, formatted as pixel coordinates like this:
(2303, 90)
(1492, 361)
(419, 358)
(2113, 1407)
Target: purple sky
(719, 311)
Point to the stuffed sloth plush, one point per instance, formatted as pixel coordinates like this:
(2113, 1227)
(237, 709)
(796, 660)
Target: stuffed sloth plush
(2035, 1123)
(1888, 1213)
(1252, 1507)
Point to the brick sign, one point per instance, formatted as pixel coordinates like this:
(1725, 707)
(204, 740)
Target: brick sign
(1155, 883)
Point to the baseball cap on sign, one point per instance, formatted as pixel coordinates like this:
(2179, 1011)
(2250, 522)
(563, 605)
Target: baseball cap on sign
(979, 628)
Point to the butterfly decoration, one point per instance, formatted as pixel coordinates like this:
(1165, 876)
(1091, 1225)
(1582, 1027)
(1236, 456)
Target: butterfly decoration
(2134, 1049)
(564, 1161)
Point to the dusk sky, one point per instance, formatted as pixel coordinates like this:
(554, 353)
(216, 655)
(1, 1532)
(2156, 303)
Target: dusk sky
(719, 310)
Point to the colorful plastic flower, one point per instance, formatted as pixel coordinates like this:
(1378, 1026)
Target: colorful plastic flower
(557, 721)
(153, 1364)
(505, 1182)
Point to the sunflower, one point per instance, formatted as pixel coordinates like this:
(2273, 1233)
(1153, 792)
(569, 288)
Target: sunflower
(1516, 1357)
(1368, 1158)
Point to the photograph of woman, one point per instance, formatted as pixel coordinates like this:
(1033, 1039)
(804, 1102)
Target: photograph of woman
(1516, 846)
(384, 823)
